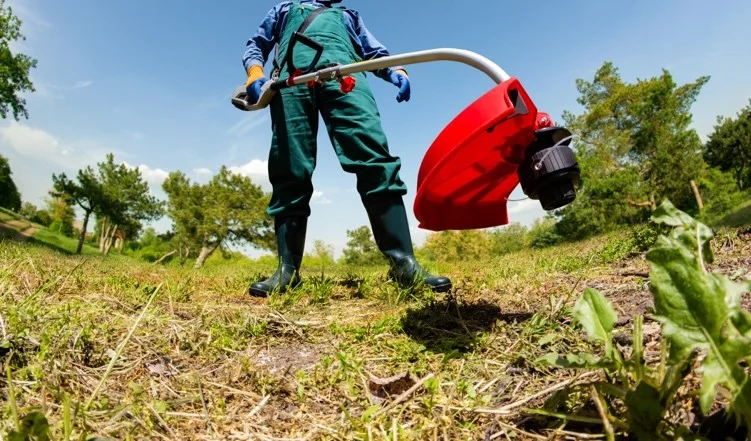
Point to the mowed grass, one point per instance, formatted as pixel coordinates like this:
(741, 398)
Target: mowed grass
(16, 227)
(110, 347)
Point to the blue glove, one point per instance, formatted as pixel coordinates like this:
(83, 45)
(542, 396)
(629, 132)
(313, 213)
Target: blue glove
(399, 79)
(256, 78)
(254, 90)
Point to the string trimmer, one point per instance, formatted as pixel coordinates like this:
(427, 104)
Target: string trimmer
(499, 141)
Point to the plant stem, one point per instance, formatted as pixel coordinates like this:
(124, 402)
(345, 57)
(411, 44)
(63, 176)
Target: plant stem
(120, 348)
(603, 414)
(12, 399)
(67, 427)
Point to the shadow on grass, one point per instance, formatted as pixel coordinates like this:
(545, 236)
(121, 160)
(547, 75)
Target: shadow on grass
(44, 238)
(453, 328)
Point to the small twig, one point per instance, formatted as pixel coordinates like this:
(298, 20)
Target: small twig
(237, 391)
(508, 427)
(404, 396)
(203, 404)
(70, 273)
(120, 349)
(259, 406)
(161, 421)
(601, 410)
(553, 388)
(2, 327)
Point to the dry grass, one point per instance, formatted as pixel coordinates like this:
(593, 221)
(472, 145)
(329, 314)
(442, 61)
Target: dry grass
(125, 350)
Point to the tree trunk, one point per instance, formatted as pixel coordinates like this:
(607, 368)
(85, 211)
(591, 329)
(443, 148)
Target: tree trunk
(206, 250)
(82, 237)
(120, 244)
(165, 256)
(699, 202)
(108, 240)
(184, 257)
(105, 231)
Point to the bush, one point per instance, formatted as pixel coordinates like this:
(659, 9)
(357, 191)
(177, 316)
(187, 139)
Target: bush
(42, 217)
(64, 228)
(719, 193)
(543, 233)
(508, 239)
(28, 210)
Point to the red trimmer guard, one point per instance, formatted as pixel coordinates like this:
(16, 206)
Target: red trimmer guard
(470, 170)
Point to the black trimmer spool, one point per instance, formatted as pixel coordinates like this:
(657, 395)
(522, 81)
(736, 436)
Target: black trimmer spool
(549, 172)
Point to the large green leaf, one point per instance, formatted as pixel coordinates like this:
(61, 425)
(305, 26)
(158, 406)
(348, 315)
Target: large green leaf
(597, 316)
(700, 310)
(645, 411)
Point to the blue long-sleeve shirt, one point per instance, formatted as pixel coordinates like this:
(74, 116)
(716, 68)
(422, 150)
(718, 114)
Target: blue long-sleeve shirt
(260, 45)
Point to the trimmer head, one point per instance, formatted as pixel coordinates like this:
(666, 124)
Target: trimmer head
(470, 170)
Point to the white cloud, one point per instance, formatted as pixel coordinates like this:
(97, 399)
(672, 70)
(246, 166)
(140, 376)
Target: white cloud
(154, 176)
(522, 206)
(257, 170)
(40, 145)
(319, 198)
(203, 171)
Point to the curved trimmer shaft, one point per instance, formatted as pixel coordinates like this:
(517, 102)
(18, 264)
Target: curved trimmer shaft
(335, 72)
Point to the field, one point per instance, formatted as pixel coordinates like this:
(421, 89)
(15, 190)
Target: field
(119, 349)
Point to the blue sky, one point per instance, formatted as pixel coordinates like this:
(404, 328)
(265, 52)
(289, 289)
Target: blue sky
(150, 81)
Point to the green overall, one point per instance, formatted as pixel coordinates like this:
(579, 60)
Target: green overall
(352, 121)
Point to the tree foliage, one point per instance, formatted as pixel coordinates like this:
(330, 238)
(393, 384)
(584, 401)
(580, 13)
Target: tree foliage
(230, 209)
(361, 249)
(62, 216)
(10, 197)
(87, 192)
(453, 246)
(728, 147)
(635, 146)
(14, 67)
(130, 205)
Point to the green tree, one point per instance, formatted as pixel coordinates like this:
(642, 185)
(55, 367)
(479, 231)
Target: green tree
(28, 210)
(508, 239)
(10, 197)
(42, 217)
(228, 209)
(634, 147)
(322, 254)
(62, 216)
(14, 67)
(131, 203)
(87, 192)
(361, 249)
(457, 246)
(728, 147)
(543, 233)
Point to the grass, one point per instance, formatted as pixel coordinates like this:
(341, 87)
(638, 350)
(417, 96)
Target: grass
(740, 217)
(121, 349)
(17, 227)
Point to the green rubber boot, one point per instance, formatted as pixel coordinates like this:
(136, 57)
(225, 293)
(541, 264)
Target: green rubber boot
(290, 240)
(388, 219)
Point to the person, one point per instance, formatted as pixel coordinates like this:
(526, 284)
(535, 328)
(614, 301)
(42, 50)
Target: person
(353, 124)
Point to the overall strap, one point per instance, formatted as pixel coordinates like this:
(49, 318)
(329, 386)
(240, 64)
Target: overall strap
(298, 35)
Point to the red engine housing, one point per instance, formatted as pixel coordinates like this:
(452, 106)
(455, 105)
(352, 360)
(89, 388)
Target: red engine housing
(468, 173)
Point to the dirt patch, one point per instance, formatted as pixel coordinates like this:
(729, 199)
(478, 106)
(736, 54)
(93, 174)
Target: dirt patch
(627, 286)
(291, 357)
(17, 230)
